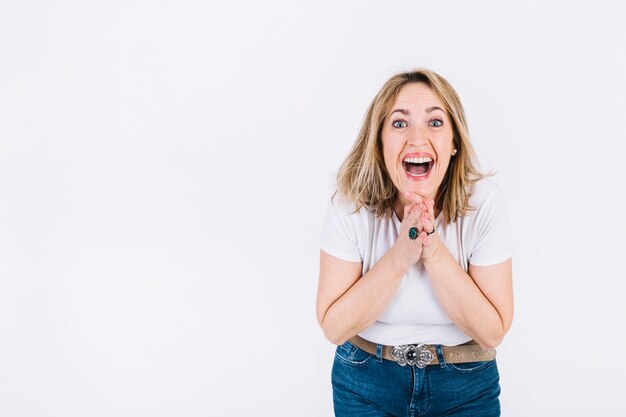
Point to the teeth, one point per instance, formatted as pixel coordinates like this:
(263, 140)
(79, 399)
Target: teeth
(420, 160)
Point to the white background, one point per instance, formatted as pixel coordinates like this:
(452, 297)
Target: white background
(165, 165)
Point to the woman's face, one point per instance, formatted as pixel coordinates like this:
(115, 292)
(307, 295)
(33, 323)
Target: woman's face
(417, 141)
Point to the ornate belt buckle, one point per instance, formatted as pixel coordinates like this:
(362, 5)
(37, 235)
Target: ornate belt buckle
(417, 355)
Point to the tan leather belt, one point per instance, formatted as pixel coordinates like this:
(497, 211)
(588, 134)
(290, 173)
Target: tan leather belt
(422, 355)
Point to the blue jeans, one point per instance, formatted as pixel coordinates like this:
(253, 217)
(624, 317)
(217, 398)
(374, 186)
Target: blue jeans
(368, 385)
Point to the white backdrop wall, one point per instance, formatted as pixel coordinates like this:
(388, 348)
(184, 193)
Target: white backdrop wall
(164, 167)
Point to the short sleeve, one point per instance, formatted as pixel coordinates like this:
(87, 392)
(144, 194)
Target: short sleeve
(493, 240)
(338, 237)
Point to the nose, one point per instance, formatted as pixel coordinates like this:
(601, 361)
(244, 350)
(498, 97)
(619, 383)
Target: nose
(417, 137)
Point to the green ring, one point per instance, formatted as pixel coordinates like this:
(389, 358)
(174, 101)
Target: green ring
(413, 233)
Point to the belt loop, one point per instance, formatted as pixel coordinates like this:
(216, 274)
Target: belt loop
(439, 350)
(379, 352)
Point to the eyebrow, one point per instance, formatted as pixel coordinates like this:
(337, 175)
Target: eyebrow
(428, 110)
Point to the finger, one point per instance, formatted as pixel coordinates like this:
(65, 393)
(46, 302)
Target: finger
(428, 223)
(413, 221)
(409, 221)
(415, 215)
(428, 239)
(423, 210)
(431, 208)
(407, 210)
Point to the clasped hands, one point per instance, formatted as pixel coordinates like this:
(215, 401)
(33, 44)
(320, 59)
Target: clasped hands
(419, 213)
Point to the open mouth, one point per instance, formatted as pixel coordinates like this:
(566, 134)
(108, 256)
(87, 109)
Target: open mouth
(418, 167)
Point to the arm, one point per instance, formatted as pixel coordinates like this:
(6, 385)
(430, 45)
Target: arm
(480, 301)
(347, 302)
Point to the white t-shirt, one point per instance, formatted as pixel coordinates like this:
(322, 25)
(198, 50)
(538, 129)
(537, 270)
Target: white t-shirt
(414, 315)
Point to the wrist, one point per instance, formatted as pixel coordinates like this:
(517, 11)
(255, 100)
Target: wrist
(433, 257)
(397, 261)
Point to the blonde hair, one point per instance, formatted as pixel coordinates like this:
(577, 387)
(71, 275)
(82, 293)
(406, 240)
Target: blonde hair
(363, 178)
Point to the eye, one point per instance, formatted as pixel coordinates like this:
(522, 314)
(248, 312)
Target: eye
(435, 123)
(399, 123)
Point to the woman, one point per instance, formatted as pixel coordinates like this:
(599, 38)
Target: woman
(415, 281)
